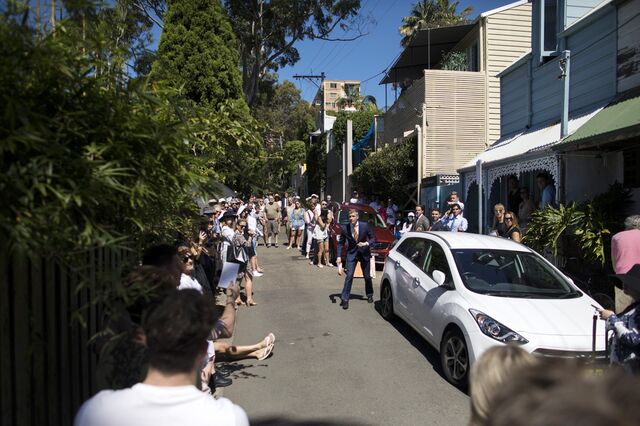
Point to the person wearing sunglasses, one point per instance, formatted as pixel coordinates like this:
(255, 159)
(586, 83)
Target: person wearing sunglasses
(187, 279)
(511, 223)
(453, 220)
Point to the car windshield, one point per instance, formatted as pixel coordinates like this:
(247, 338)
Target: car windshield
(510, 274)
(372, 219)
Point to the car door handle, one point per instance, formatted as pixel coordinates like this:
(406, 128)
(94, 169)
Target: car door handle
(416, 281)
(397, 264)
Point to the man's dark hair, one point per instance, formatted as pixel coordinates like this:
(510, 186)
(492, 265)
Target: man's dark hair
(544, 176)
(160, 255)
(421, 206)
(434, 210)
(177, 331)
(146, 287)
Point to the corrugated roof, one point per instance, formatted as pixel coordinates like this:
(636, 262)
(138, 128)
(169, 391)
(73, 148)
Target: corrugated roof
(425, 51)
(615, 117)
(531, 140)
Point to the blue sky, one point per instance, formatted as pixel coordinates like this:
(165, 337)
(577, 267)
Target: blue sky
(367, 56)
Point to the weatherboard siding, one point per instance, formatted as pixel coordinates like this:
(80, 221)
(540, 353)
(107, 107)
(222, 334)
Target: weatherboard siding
(628, 55)
(593, 63)
(576, 9)
(456, 119)
(514, 99)
(508, 37)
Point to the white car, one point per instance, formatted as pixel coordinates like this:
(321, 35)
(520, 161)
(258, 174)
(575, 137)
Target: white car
(466, 292)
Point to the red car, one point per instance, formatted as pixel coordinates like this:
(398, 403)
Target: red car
(384, 237)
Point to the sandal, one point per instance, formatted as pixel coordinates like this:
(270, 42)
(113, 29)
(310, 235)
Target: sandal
(250, 302)
(266, 352)
(270, 340)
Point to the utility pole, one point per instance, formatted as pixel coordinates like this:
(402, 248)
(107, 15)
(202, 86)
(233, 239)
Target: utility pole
(313, 78)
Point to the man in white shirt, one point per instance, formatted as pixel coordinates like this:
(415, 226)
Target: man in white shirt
(176, 336)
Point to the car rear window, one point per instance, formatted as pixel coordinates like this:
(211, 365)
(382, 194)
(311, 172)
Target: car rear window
(373, 219)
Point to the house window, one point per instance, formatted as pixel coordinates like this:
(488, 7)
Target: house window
(549, 26)
(333, 95)
(327, 104)
(333, 85)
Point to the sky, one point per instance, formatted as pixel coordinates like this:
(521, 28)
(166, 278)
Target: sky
(367, 56)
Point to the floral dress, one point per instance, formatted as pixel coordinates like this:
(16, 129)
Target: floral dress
(625, 341)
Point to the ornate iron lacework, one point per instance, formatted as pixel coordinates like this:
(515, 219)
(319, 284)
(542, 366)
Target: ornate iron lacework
(549, 163)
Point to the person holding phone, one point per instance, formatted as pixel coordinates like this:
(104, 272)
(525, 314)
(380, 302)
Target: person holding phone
(453, 220)
(624, 345)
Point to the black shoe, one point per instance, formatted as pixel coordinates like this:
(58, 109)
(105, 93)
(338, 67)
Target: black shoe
(370, 298)
(220, 382)
(223, 371)
(276, 246)
(345, 304)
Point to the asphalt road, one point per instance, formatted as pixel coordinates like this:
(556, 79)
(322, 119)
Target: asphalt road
(330, 366)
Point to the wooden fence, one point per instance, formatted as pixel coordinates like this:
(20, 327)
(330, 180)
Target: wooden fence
(47, 366)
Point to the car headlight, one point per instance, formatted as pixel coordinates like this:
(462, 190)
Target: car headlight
(496, 330)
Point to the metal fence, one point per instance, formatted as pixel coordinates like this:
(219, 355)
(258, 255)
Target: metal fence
(47, 366)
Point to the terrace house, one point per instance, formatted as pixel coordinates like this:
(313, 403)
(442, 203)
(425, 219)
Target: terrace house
(569, 107)
(455, 114)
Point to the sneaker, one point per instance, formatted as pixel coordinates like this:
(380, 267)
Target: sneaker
(276, 246)
(320, 265)
(257, 274)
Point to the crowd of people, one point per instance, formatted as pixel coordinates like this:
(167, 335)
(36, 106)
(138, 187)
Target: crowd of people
(165, 348)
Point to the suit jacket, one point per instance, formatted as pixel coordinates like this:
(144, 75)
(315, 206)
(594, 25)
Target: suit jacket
(421, 224)
(365, 234)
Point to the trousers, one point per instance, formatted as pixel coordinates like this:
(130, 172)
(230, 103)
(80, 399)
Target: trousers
(350, 268)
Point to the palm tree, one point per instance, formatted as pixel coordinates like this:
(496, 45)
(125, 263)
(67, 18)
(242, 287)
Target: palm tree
(351, 96)
(432, 14)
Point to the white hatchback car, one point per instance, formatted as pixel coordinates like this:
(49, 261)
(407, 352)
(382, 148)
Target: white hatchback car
(466, 292)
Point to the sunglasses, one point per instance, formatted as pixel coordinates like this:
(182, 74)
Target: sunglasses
(186, 259)
(508, 218)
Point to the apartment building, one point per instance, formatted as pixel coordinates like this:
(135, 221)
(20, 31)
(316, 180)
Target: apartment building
(333, 90)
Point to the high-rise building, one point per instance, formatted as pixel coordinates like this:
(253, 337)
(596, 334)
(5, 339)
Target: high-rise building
(333, 90)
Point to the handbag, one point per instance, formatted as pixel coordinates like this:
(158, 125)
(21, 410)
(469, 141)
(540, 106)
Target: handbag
(237, 254)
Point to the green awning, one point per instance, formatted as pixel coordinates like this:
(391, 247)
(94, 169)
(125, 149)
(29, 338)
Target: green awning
(619, 118)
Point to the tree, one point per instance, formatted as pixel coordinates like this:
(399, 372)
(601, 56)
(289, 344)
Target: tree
(89, 159)
(268, 30)
(389, 171)
(432, 14)
(197, 56)
(361, 122)
(197, 52)
(283, 111)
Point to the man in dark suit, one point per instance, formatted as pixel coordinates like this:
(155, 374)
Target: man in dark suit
(421, 223)
(358, 237)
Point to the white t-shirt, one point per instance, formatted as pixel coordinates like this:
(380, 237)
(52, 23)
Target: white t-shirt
(189, 282)
(159, 406)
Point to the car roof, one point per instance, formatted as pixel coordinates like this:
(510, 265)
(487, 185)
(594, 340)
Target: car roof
(359, 207)
(462, 240)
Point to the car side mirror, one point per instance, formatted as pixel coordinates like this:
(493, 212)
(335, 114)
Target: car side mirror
(439, 277)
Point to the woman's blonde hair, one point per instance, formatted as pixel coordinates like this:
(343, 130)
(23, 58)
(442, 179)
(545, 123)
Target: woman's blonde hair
(514, 219)
(495, 367)
(497, 206)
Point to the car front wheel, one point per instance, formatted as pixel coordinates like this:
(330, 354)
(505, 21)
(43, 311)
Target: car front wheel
(454, 358)
(386, 302)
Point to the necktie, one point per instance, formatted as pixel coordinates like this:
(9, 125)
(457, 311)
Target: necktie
(355, 233)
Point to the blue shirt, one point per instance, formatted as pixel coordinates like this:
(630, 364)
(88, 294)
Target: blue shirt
(548, 196)
(454, 222)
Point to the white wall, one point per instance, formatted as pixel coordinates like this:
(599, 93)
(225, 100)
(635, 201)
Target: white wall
(590, 173)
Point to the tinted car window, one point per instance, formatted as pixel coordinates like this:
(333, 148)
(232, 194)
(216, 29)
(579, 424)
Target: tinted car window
(511, 274)
(373, 219)
(416, 250)
(437, 260)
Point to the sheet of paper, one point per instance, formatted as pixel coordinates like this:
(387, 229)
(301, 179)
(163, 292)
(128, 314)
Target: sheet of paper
(229, 274)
